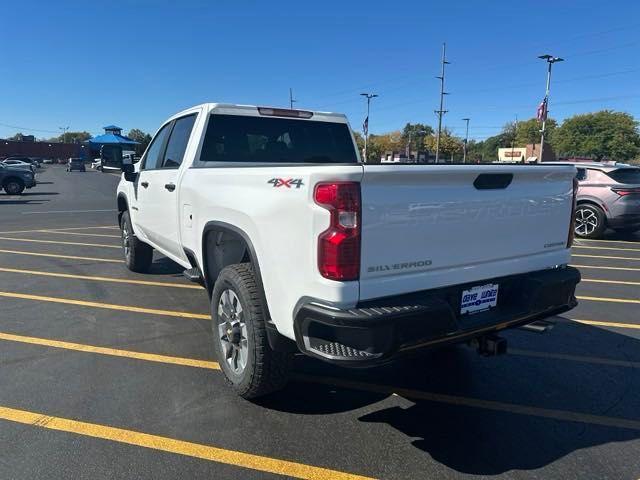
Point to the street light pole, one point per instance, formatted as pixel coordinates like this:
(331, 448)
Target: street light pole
(442, 111)
(466, 140)
(550, 59)
(368, 96)
(291, 100)
(64, 133)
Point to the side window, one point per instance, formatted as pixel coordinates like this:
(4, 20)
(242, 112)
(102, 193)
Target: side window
(152, 157)
(582, 174)
(178, 140)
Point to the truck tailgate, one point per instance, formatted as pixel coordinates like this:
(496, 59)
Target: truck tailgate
(429, 226)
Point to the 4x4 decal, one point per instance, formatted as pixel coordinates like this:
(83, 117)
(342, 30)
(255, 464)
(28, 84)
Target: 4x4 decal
(286, 182)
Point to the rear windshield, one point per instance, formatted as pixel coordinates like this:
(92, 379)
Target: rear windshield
(626, 175)
(238, 138)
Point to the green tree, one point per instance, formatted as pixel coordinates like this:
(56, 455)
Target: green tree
(604, 134)
(450, 145)
(528, 131)
(415, 134)
(143, 138)
(72, 137)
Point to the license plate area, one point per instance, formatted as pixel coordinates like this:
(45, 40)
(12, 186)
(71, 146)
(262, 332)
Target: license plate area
(479, 298)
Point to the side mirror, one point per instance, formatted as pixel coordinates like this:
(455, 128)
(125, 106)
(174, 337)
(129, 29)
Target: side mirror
(129, 171)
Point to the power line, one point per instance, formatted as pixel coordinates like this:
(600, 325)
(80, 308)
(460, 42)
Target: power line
(25, 128)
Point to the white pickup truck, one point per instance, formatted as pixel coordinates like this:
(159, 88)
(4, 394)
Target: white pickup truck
(303, 248)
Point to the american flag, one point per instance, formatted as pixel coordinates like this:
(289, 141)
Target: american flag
(365, 126)
(541, 113)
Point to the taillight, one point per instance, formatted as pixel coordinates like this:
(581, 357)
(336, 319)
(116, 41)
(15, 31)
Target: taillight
(572, 221)
(623, 191)
(339, 245)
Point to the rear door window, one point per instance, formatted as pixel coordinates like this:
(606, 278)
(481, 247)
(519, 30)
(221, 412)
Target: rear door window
(626, 175)
(177, 145)
(248, 139)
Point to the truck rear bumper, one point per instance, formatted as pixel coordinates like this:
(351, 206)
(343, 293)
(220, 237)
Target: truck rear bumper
(376, 331)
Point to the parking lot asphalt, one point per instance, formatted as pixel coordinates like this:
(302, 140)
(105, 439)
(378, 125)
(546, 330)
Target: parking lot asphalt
(109, 374)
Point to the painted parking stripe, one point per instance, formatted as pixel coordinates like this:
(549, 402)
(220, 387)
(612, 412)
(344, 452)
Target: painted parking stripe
(114, 352)
(608, 248)
(606, 299)
(606, 257)
(57, 242)
(613, 282)
(598, 323)
(59, 229)
(68, 211)
(387, 389)
(563, 415)
(172, 445)
(55, 255)
(107, 306)
(627, 269)
(102, 279)
(83, 234)
(585, 240)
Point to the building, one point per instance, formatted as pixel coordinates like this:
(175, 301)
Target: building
(400, 156)
(53, 150)
(112, 136)
(529, 153)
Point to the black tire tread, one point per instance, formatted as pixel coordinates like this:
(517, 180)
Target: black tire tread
(271, 370)
(140, 254)
(6, 182)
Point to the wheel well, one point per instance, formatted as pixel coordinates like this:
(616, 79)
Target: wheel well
(17, 179)
(221, 248)
(122, 206)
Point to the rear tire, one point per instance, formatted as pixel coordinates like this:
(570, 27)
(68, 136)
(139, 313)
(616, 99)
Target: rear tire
(590, 221)
(13, 186)
(249, 364)
(137, 254)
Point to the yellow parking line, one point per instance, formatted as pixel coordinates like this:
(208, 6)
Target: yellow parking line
(629, 269)
(54, 255)
(108, 306)
(614, 282)
(32, 240)
(575, 358)
(598, 323)
(102, 279)
(171, 445)
(564, 415)
(606, 256)
(79, 347)
(606, 299)
(80, 234)
(415, 394)
(608, 248)
(585, 240)
(65, 229)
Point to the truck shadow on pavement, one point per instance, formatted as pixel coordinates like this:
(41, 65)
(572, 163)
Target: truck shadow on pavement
(22, 202)
(490, 438)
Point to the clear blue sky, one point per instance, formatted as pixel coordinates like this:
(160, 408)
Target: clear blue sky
(89, 64)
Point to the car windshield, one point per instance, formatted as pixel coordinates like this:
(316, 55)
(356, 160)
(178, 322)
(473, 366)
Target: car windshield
(239, 138)
(626, 175)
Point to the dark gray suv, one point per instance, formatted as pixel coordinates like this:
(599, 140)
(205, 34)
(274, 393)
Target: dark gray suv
(608, 197)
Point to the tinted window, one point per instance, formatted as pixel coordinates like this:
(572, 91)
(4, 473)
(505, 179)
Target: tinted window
(582, 174)
(236, 138)
(178, 142)
(626, 175)
(155, 149)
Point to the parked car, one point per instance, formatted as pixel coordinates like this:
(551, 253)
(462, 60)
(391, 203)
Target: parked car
(15, 179)
(47, 161)
(303, 248)
(76, 164)
(608, 197)
(20, 164)
(97, 164)
(25, 159)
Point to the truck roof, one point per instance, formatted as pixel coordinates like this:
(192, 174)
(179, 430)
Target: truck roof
(255, 111)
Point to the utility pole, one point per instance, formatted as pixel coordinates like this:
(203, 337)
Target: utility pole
(291, 99)
(513, 140)
(442, 111)
(466, 140)
(365, 125)
(550, 59)
(64, 133)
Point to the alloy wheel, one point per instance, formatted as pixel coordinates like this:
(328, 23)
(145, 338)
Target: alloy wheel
(232, 331)
(586, 222)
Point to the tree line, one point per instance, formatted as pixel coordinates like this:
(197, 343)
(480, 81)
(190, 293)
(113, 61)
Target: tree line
(600, 135)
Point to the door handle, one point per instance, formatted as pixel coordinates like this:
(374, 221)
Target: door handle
(144, 184)
(170, 186)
